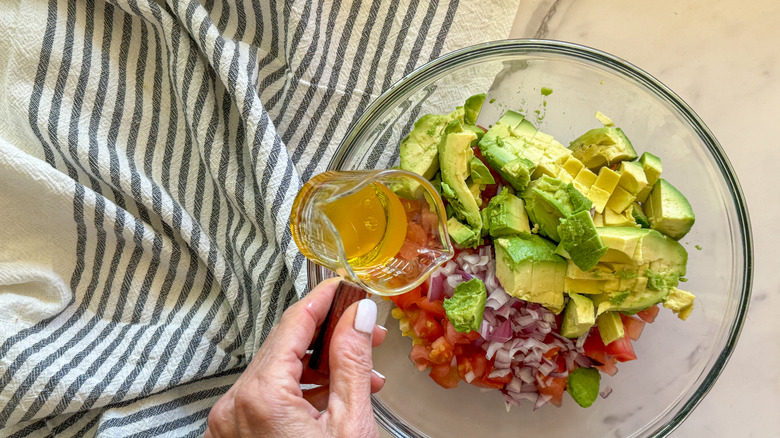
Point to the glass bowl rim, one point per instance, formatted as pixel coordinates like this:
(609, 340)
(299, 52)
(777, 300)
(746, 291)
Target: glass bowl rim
(617, 65)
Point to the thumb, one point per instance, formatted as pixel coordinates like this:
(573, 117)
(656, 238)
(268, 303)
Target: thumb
(350, 368)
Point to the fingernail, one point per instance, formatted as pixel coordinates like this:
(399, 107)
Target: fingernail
(378, 374)
(365, 318)
(381, 327)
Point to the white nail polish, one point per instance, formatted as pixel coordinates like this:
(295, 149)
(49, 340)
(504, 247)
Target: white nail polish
(365, 318)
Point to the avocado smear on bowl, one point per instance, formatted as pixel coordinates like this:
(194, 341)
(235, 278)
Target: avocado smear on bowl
(564, 254)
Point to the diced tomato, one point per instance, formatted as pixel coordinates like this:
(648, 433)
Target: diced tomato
(476, 363)
(555, 389)
(433, 308)
(426, 326)
(649, 314)
(455, 337)
(445, 375)
(415, 233)
(594, 347)
(419, 356)
(406, 300)
(552, 353)
(609, 365)
(632, 326)
(622, 350)
(442, 351)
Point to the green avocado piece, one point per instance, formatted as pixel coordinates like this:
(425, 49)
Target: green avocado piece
(632, 177)
(464, 310)
(503, 145)
(476, 130)
(680, 302)
(548, 200)
(528, 268)
(579, 316)
(610, 327)
(455, 155)
(638, 246)
(651, 164)
(668, 211)
(580, 240)
(480, 173)
(419, 149)
(639, 215)
(462, 234)
(471, 108)
(505, 215)
(648, 265)
(603, 146)
(652, 168)
(583, 385)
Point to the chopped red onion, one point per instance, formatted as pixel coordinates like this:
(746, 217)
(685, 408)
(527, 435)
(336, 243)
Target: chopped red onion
(546, 368)
(541, 400)
(515, 385)
(581, 340)
(435, 288)
(497, 374)
(583, 361)
(448, 268)
(604, 393)
(526, 374)
(502, 333)
(469, 376)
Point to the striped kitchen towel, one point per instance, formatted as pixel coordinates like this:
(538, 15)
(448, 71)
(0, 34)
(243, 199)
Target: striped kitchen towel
(149, 155)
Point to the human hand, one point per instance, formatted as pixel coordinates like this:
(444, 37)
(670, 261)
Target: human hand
(267, 399)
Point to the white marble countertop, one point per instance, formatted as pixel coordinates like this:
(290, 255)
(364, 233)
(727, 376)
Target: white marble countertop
(723, 58)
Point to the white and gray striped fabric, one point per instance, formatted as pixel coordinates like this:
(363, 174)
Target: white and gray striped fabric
(149, 155)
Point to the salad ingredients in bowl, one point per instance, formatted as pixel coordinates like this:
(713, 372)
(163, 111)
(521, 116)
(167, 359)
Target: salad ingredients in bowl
(563, 255)
(558, 87)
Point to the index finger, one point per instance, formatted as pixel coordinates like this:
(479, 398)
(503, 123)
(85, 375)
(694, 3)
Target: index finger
(299, 323)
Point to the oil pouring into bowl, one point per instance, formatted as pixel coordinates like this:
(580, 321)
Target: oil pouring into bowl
(383, 230)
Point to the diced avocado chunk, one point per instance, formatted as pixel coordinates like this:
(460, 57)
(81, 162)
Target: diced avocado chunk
(680, 302)
(601, 189)
(419, 149)
(528, 268)
(548, 201)
(615, 219)
(651, 166)
(465, 308)
(480, 173)
(610, 327)
(579, 316)
(583, 385)
(637, 246)
(505, 215)
(648, 265)
(455, 155)
(632, 177)
(462, 234)
(471, 108)
(668, 211)
(603, 146)
(620, 200)
(502, 148)
(639, 215)
(580, 240)
(476, 130)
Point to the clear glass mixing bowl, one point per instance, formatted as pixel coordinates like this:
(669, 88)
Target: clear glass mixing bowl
(678, 362)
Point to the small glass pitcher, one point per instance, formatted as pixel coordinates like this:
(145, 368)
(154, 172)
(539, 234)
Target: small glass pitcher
(385, 230)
